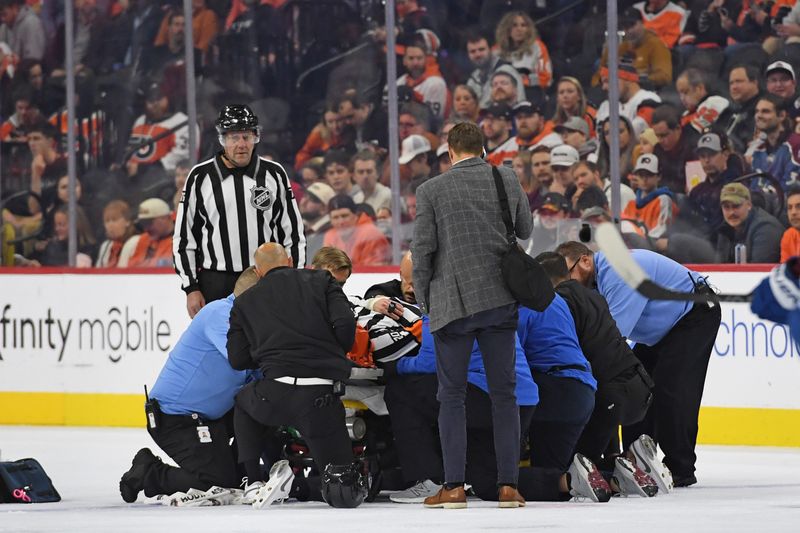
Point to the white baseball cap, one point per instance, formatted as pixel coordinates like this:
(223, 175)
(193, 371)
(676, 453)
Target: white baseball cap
(779, 65)
(412, 146)
(153, 208)
(647, 162)
(564, 155)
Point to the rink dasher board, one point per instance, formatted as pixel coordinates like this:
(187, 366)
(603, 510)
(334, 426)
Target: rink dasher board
(76, 348)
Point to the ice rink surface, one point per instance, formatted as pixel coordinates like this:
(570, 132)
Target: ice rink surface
(740, 489)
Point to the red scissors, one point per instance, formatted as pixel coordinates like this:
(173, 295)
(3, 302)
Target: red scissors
(20, 494)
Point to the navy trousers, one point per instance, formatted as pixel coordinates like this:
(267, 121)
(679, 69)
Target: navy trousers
(495, 331)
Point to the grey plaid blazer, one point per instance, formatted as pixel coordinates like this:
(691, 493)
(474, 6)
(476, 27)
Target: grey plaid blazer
(459, 240)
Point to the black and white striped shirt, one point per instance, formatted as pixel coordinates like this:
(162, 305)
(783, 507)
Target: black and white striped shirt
(225, 214)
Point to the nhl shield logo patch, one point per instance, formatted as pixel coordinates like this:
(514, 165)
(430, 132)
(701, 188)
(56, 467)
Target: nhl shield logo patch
(260, 198)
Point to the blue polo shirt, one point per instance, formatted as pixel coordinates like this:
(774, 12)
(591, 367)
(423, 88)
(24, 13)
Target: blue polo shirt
(425, 363)
(197, 377)
(550, 341)
(639, 319)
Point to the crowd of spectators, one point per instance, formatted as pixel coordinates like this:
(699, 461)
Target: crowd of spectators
(709, 142)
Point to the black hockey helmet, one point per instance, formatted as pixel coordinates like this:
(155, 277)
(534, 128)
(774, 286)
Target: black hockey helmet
(344, 486)
(236, 117)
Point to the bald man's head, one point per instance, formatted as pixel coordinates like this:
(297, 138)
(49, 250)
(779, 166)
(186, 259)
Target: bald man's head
(270, 255)
(407, 279)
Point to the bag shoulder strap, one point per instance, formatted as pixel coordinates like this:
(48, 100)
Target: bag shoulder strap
(505, 211)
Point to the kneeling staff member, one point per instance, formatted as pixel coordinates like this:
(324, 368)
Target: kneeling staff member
(190, 412)
(296, 326)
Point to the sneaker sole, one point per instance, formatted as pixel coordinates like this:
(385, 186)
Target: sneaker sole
(628, 484)
(408, 500)
(647, 460)
(605, 495)
(270, 494)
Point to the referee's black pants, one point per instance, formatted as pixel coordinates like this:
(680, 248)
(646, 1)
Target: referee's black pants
(678, 365)
(622, 401)
(216, 285)
(201, 464)
(311, 409)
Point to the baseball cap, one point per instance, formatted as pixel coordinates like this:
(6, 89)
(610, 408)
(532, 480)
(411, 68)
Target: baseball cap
(342, 201)
(735, 193)
(574, 124)
(648, 163)
(321, 191)
(412, 146)
(527, 107)
(442, 150)
(153, 208)
(629, 17)
(709, 141)
(564, 155)
(780, 65)
(499, 110)
(153, 92)
(555, 202)
(595, 211)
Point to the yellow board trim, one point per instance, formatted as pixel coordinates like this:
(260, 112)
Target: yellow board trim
(718, 425)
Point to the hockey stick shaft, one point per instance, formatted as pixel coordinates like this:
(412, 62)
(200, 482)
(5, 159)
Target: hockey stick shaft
(619, 257)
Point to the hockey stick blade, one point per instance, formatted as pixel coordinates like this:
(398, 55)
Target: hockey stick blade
(619, 257)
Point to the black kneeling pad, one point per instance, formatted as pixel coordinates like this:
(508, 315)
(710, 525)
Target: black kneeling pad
(25, 481)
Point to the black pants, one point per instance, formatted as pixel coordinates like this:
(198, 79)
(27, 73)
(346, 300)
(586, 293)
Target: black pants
(495, 330)
(411, 400)
(622, 401)
(678, 365)
(201, 465)
(565, 405)
(313, 410)
(413, 410)
(216, 285)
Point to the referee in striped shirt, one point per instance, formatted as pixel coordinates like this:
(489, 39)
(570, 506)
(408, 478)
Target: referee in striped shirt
(230, 205)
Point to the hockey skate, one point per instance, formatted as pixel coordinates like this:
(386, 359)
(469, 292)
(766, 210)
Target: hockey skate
(587, 481)
(278, 486)
(645, 452)
(632, 480)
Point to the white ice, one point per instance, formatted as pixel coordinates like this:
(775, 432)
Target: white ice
(739, 489)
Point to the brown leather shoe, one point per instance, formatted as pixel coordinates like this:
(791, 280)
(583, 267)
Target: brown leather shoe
(447, 499)
(510, 498)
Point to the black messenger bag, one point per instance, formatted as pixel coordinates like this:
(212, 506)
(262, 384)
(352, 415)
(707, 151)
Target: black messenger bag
(524, 276)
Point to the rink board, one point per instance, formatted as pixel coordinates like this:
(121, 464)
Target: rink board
(77, 348)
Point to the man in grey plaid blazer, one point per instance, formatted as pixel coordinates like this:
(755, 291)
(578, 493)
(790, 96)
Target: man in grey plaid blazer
(459, 240)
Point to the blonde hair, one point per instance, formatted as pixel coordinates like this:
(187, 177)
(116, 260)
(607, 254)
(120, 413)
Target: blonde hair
(503, 35)
(561, 115)
(246, 279)
(332, 258)
(121, 208)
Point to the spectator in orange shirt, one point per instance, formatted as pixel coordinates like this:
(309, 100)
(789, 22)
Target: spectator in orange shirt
(654, 206)
(355, 234)
(790, 242)
(205, 26)
(154, 248)
(322, 138)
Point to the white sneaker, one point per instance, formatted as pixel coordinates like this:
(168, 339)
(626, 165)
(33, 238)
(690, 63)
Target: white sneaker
(632, 480)
(417, 493)
(250, 490)
(645, 451)
(277, 487)
(586, 481)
